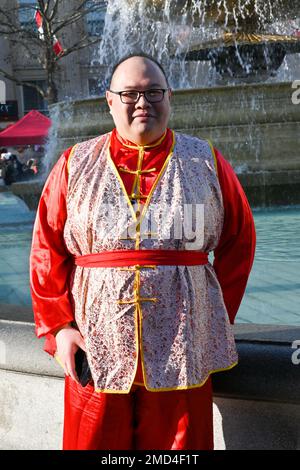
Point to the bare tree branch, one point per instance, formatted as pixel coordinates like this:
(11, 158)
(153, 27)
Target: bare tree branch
(54, 10)
(36, 54)
(76, 47)
(47, 5)
(41, 48)
(77, 15)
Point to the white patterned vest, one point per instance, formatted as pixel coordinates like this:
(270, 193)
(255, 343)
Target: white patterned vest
(174, 316)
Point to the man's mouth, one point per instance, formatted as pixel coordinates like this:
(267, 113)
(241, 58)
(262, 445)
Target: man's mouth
(143, 115)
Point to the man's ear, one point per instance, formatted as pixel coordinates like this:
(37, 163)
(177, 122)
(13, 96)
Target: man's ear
(108, 98)
(170, 93)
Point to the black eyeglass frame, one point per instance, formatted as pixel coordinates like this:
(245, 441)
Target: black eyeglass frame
(140, 93)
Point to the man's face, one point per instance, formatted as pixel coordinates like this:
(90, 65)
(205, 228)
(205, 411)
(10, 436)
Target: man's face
(141, 122)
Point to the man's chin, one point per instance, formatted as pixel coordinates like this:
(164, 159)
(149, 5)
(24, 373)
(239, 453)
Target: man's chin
(144, 130)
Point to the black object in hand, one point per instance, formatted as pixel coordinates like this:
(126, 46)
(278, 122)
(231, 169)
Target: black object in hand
(82, 367)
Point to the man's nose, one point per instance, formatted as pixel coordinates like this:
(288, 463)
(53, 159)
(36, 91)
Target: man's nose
(142, 102)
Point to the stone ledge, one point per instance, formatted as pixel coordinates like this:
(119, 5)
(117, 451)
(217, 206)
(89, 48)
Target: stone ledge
(256, 333)
(238, 424)
(21, 351)
(265, 373)
(265, 370)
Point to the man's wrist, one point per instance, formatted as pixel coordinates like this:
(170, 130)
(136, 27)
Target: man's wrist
(66, 325)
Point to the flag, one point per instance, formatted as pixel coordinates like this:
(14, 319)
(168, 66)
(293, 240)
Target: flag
(57, 47)
(39, 21)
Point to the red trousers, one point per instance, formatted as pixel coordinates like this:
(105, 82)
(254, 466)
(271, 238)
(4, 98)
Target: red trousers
(139, 420)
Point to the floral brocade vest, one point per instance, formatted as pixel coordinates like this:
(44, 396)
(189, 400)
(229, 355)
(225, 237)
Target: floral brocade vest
(173, 316)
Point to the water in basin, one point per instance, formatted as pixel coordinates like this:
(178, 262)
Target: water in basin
(273, 291)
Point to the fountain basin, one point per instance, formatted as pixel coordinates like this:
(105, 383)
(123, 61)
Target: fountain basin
(29, 192)
(255, 126)
(252, 14)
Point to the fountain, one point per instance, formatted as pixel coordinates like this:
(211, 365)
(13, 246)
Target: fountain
(242, 105)
(241, 40)
(245, 49)
(228, 63)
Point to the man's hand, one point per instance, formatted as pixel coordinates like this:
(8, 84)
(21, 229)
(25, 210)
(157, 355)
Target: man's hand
(68, 340)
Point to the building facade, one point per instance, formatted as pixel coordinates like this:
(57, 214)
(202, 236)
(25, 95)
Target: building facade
(76, 76)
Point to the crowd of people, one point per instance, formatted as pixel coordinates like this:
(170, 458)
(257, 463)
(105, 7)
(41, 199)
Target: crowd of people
(13, 170)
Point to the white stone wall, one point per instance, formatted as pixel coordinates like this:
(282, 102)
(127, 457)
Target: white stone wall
(32, 415)
(31, 411)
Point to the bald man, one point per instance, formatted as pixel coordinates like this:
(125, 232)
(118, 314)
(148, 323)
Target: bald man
(119, 272)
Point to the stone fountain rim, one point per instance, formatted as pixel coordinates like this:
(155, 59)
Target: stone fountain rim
(185, 91)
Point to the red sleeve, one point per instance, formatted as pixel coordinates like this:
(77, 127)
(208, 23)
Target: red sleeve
(50, 263)
(235, 252)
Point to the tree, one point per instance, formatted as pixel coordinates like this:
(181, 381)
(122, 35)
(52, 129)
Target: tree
(40, 46)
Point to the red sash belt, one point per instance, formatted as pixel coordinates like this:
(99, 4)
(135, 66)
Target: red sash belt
(118, 258)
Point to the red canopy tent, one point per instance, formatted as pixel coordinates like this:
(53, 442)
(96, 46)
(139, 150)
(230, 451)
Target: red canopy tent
(30, 130)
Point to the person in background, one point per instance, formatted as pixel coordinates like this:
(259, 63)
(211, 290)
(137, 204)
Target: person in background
(18, 167)
(3, 152)
(8, 170)
(114, 277)
(31, 167)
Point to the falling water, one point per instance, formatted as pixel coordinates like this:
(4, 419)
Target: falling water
(168, 29)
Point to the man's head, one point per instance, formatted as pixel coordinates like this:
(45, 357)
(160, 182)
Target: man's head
(143, 121)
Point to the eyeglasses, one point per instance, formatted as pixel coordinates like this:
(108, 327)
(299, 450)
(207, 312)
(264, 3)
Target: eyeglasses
(132, 96)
